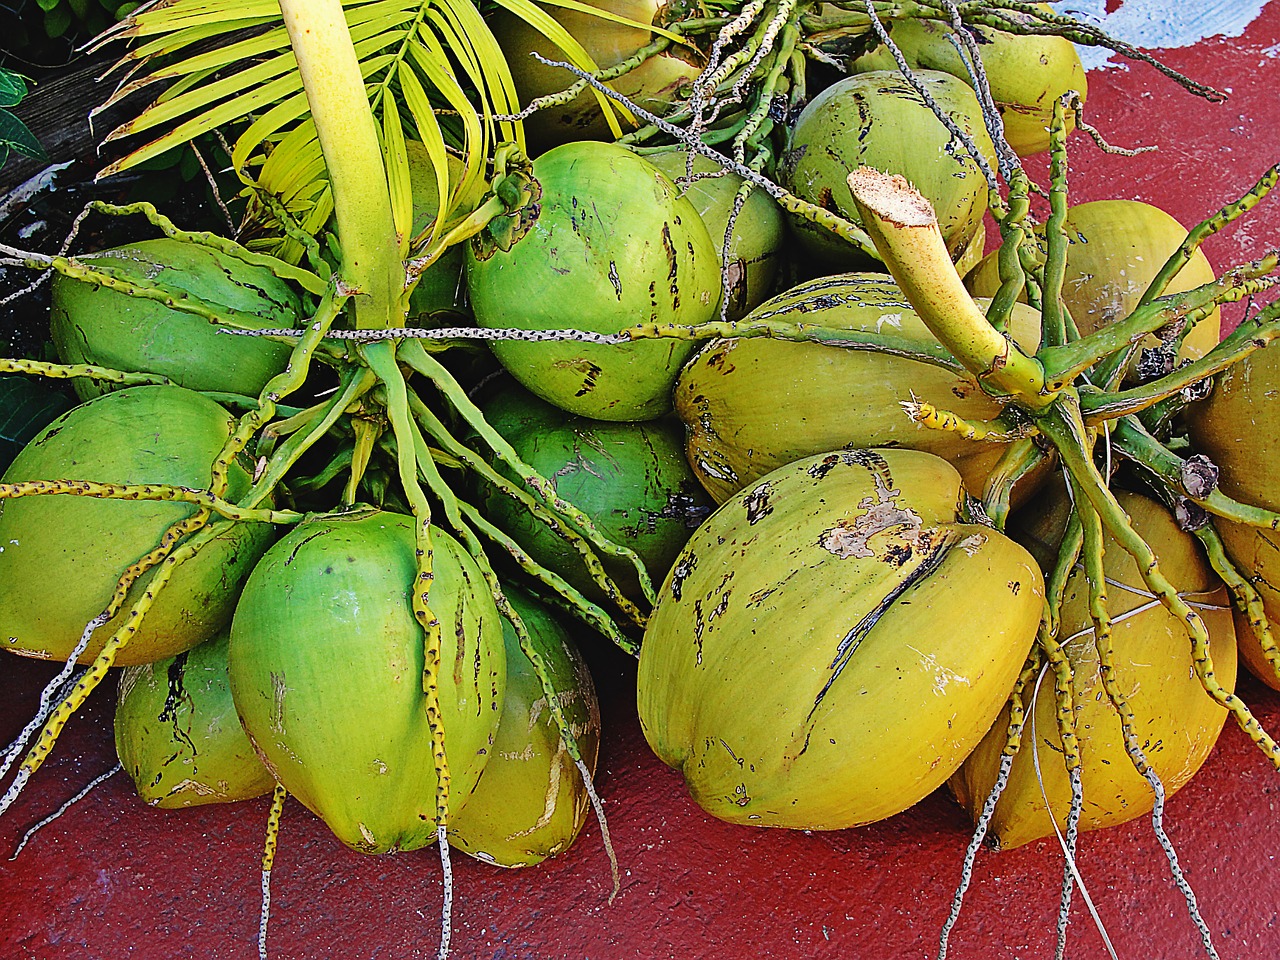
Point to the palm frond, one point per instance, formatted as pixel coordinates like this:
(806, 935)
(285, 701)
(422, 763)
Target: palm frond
(396, 160)
(227, 64)
(423, 113)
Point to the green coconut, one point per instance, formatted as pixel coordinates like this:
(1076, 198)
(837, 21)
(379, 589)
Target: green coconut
(631, 479)
(878, 120)
(752, 404)
(327, 673)
(109, 328)
(531, 802)
(782, 710)
(759, 230)
(61, 556)
(613, 245)
(177, 733)
(1026, 73)
(1177, 722)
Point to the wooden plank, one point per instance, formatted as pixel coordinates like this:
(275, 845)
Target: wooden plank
(57, 112)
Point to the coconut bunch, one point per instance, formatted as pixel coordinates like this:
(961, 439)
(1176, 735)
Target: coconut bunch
(780, 597)
(1121, 582)
(337, 487)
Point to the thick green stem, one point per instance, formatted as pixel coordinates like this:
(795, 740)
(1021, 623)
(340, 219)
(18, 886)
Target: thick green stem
(554, 521)
(415, 357)
(1014, 233)
(63, 371)
(371, 265)
(1131, 440)
(1021, 458)
(356, 382)
(1063, 364)
(1246, 339)
(1206, 228)
(1055, 264)
(152, 492)
(1066, 429)
(562, 594)
(307, 279)
(1055, 587)
(1246, 595)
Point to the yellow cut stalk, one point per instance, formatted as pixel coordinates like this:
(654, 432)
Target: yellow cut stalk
(904, 229)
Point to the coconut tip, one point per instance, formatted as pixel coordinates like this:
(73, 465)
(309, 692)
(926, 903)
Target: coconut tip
(892, 197)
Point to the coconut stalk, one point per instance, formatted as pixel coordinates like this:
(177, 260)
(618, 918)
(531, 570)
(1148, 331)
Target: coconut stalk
(905, 232)
(904, 229)
(371, 265)
(373, 269)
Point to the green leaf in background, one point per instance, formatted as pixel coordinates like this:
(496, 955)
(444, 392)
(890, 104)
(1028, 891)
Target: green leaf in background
(14, 135)
(27, 406)
(56, 21)
(13, 87)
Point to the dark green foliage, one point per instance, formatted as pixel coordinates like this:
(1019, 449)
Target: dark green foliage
(14, 134)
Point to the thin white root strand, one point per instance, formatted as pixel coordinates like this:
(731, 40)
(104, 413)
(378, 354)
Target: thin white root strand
(598, 806)
(1141, 608)
(439, 333)
(268, 861)
(50, 697)
(971, 853)
(1067, 852)
(446, 913)
(264, 914)
(99, 779)
(15, 789)
(1166, 844)
(62, 251)
(1069, 871)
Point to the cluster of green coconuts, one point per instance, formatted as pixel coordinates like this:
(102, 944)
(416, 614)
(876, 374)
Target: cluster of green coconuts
(837, 629)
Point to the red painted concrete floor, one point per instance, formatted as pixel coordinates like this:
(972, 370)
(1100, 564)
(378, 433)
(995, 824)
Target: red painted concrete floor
(114, 878)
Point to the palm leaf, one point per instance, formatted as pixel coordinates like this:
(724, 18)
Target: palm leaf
(397, 163)
(612, 18)
(263, 83)
(294, 172)
(429, 132)
(554, 31)
(228, 64)
(275, 40)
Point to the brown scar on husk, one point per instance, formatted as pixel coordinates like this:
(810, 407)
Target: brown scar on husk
(757, 503)
(851, 537)
(278, 691)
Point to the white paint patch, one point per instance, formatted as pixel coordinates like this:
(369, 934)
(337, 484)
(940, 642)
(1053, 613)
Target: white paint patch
(942, 675)
(893, 319)
(1159, 24)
